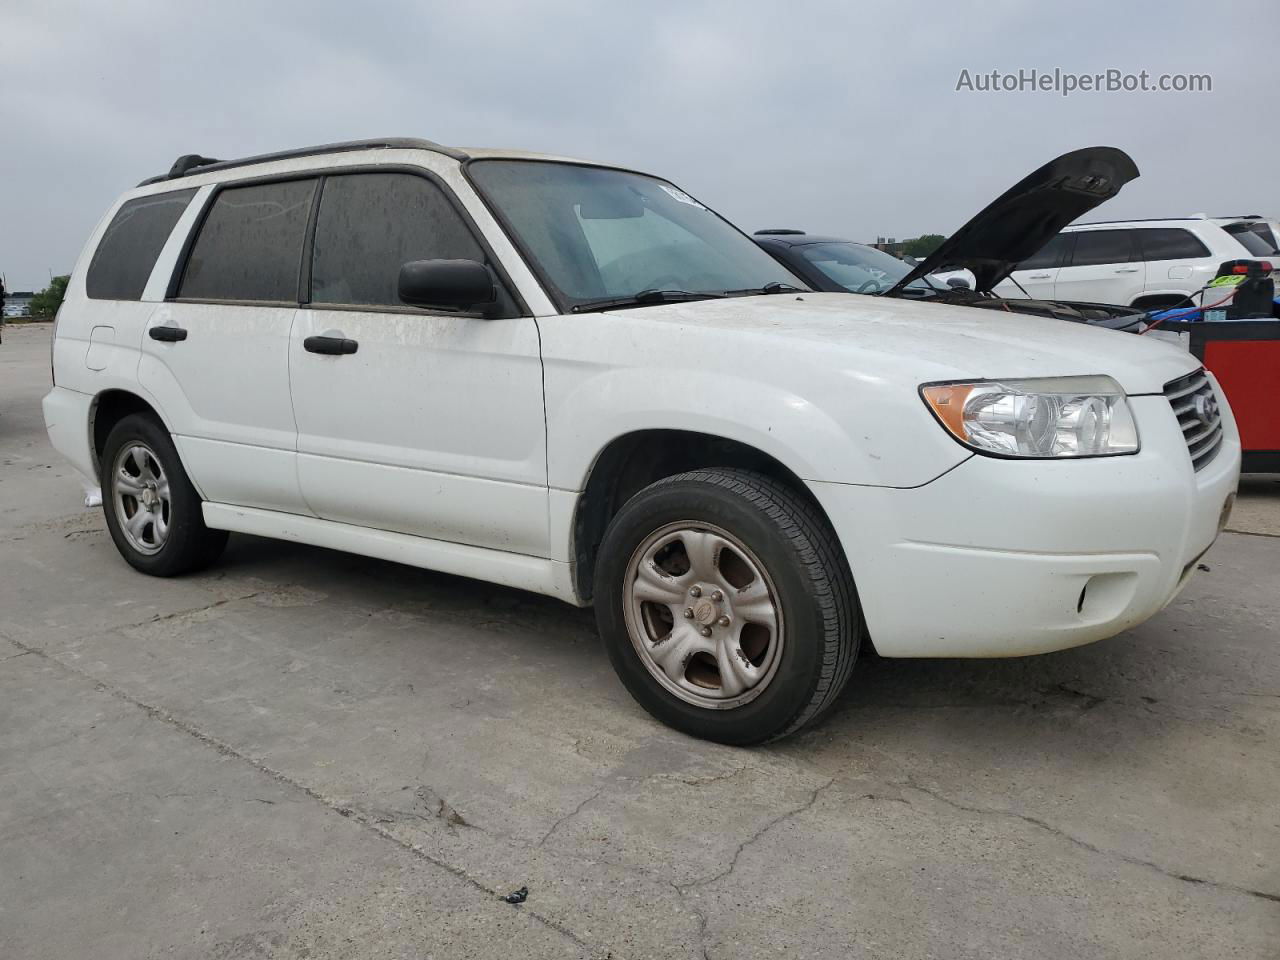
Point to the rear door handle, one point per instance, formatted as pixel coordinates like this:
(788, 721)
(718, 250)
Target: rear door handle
(1127, 270)
(166, 334)
(334, 346)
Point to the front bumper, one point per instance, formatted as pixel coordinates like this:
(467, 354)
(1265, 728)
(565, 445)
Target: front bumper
(1002, 558)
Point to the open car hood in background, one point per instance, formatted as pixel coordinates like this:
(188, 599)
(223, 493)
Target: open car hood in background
(1028, 215)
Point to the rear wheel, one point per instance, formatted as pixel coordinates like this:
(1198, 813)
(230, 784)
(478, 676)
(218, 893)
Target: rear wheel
(726, 605)
(153, 512)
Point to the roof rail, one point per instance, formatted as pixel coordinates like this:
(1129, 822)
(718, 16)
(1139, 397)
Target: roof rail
(1095, 223)
(192, 163)
(779, 232)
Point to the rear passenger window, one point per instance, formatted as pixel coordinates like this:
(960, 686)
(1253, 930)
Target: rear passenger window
(250, 245)
(1170, 243)
(1050, 254)
(1102, 246)
(127, 252)
(370, 225)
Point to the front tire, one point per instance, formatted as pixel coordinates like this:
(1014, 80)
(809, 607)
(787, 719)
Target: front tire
(726, 605)
(153, 512)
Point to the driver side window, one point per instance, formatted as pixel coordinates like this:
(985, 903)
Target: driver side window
(370, 224)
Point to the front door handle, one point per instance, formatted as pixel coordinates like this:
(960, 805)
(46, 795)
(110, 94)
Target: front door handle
(1040, 276)
(166, 334)
(333, 346)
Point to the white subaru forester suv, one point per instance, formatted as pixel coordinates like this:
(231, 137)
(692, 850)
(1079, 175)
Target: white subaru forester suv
(577, 380)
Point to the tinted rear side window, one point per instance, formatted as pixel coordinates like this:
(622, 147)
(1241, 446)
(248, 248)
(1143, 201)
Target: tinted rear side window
(372, 224)
(1170, 243)
(128, 250)
(250, 245)
(1102, 246)
(1050, 254)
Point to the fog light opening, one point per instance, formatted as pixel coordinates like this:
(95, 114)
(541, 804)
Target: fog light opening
(1105, 596)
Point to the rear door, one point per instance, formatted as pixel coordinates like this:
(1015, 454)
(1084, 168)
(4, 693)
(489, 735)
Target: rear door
(216, 354)
(1177, 262)
(1105, 266)
(434, 426)
(1037, 276)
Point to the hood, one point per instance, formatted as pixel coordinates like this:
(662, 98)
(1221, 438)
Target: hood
(913, 342)
(1028, 215)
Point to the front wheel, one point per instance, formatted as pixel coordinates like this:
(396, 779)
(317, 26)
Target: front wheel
(726, 605)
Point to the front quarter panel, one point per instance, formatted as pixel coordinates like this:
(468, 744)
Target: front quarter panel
(824, 414)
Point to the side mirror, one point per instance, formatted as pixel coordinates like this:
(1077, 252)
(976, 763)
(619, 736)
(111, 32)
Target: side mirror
(958, 283)
(447, 283)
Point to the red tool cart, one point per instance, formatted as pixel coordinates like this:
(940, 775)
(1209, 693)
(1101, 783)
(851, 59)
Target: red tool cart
(1245, 357)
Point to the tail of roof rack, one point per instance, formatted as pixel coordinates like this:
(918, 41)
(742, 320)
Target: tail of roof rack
(1096, 223)
(779, 232)
(192, 163)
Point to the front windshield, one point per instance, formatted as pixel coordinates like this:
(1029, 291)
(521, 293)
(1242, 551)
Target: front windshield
(857, 268)
(598, 235)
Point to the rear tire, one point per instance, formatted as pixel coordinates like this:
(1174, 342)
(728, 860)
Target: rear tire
(153, 512)
(726, 605)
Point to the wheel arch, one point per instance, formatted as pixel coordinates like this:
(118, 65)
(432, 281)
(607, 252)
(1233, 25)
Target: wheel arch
(109, 407)
(632, 461)
(1151, 301)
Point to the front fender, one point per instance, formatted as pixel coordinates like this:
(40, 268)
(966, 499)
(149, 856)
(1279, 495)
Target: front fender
(821, 422)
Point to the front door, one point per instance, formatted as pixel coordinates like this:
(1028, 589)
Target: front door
(216, 357)
(1037, 276)
(434, 425)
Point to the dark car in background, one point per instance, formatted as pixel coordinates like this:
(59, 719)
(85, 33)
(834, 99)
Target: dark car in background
(1008, 231)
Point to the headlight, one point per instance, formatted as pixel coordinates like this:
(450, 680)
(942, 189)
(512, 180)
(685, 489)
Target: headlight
(1050, 417)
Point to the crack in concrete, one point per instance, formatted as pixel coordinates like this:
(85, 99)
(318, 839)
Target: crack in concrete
(1251, 533)
(163, 617)
(683, 888)
(1044, 825)
(569, 816)
(225, 749)
(212, 796)
(737, 854)
(14, 656)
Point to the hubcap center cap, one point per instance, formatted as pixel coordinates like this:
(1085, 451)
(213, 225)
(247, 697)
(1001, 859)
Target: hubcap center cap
(704, 611)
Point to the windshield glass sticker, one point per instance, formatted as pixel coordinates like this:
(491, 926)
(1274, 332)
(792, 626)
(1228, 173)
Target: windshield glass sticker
(680, 195)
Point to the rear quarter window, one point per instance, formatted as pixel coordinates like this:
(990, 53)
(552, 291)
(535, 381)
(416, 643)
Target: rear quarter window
(1253, 239)
(127, 252)
(250, 244)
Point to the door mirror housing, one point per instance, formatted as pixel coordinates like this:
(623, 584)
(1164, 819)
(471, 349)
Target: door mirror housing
(465, 284)
(957, 283)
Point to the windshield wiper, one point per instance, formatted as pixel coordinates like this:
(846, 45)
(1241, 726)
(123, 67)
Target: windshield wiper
(773, 286)
(644, 298)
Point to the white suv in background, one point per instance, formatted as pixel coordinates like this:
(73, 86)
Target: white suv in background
(578, 380)
(1141, 263)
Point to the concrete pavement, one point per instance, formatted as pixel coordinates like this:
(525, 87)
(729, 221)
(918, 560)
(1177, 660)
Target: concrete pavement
(302, 753)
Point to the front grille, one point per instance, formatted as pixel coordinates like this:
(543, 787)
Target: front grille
(1196, 407)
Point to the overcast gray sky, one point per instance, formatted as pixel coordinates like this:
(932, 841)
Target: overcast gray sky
(835, 117)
